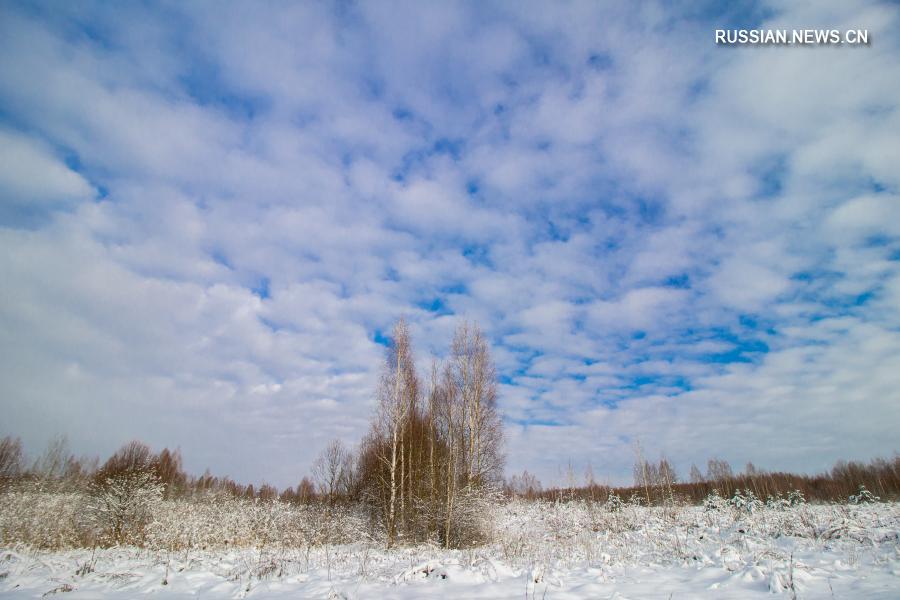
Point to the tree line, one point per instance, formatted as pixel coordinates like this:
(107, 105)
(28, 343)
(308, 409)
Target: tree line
(657, 483)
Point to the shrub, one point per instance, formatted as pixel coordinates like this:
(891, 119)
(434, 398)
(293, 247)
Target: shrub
(863, 496)
(614, 503)
(120, 506)
(714, 502)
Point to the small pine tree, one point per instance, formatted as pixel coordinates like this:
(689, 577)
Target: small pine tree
(796, 498)
(714, 502)
(614, 503)
(751, 502)
(863, 496)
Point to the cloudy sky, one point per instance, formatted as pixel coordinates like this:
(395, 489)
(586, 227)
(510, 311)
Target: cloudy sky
(212, 213)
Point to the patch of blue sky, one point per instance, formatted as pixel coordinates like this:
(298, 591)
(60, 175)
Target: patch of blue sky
(269, 323)
(22, 216)
(650, 210)
(816, 282)
(744, 351)
(381, 339)
(218, 256)
(877, 186)
(879, 240)
(681, 281)
(600, 61)
(609, 398)
(741, 14)
(524, 354)
(457, 288)
(756, 324)
(204, 85)
(72, 160)
(861, 299)
(557, 230)
(261, 288)
(372, 87)
(745, 343)
(845, 303)
(99, 33)
(770, 175)
(698, 89)
(401, 113)
(391, 274)
(418, 158)
(436, 305)
(478, 254)
(662, 383)
(820, 291)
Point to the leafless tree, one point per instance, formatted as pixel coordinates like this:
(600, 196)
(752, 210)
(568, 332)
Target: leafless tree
(474, 378)
(332, 471)
(526, 485)
(696, 476)
(397, 398)
(51, 464)
(167, 467)
(10, 458)
(718, 470)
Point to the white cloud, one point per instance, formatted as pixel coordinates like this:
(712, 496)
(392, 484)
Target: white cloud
(31, 176)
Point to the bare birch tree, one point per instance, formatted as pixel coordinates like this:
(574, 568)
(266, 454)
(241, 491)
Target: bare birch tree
(332, 471)
(397, 397)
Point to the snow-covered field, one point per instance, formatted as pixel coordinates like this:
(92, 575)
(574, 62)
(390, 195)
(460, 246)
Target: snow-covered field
(540, 550)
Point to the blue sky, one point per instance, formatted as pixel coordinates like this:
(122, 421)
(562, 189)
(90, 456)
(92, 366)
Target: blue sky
(211, 213)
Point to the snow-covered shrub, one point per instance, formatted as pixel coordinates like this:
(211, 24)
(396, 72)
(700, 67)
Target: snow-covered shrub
(217, 522)
(714, 502)
(636, 500)
(120, 506)
(863, 496)
(614, 503)
(42, 519)
(746, 502)
(472, 517)
(777, 502)
(796, 498)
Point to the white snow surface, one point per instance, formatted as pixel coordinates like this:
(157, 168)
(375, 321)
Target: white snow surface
(540, 550)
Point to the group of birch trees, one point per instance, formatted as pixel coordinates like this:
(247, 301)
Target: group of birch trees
(433, 457)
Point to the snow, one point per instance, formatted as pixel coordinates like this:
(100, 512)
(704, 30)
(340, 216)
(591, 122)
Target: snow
(540, 550)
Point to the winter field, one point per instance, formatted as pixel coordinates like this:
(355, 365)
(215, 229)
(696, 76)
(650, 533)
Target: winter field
(536, 550)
